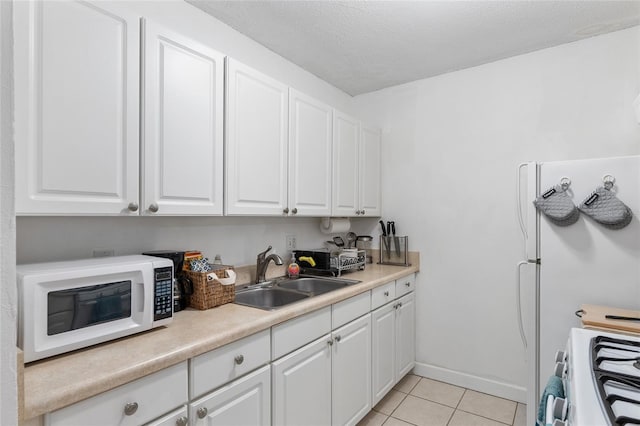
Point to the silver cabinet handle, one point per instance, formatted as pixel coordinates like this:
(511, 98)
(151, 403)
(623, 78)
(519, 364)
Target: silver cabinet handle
(239, 359)
(408, 284)
(130, 408)
(338, 338)
(361, 211)
(294, 211)
(396, 306)
(133, 207)
(153, 208)
(399, 304)
(386, 293)
(358, 212)
(202, 412)
(286, 210)
(330, 342)
(182, 421)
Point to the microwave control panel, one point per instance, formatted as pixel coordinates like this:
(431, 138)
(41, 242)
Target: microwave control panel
(163, 293)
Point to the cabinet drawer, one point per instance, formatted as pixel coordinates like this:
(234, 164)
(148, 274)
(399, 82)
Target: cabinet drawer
(350, 309)
(175, 418)
(297, 332)
(383, 294)
(153, 395)
(213, 369)
(405, 285)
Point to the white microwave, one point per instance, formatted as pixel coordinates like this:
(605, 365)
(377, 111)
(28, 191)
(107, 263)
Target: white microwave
(63, 306)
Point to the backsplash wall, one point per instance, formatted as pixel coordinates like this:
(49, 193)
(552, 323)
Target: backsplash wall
(237, 239)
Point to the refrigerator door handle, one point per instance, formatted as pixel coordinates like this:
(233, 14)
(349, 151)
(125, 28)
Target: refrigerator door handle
(519, 303)
(523, 227)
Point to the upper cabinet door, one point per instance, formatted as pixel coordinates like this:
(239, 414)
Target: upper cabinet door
(76, 108)
(370, 164)
(183, 123)
(256, 143)
(346, 136)
(310, 140)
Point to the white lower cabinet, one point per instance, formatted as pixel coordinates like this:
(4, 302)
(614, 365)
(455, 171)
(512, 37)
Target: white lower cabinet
(328, 381)
(351, 372)
(302, 385)
(245, 401)
(393, 344)
(135, 403)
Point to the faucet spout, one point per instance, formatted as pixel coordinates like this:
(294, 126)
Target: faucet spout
(262, 263)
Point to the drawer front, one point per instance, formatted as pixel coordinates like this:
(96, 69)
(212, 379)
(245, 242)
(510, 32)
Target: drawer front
(350, 309)
(135, 403)
(295, 333)
(405, 285)
(215, 368)
(383, 294)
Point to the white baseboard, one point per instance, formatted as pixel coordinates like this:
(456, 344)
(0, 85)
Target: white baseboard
(480, 384)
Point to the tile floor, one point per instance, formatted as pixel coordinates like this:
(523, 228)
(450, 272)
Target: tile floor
(420, 401)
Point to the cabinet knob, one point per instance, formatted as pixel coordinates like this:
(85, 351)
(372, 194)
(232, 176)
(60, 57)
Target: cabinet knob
(130, 408)
(330, 342)
(295, 210)
(386, 293)
(396, 306)
(239, 359)
(153, 208)
(338, 338)
(286, 210)
(202, 412)
(362, 211)
(407, 284)
(182, 421)
(358, 212)
(133, 207)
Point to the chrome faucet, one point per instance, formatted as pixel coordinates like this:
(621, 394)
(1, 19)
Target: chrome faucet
(262, 263)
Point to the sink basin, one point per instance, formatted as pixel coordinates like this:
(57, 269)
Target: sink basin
(314, 285)
(283, 291)
(268, 297)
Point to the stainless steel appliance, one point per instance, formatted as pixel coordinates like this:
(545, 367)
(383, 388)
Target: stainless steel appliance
(63, 306)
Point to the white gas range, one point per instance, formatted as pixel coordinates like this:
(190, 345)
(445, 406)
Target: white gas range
(601, 376)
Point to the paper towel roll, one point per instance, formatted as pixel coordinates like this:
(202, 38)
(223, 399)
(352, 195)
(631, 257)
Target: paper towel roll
(335, 225)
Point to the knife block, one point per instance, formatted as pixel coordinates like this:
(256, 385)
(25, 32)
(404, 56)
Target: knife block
(394, 250)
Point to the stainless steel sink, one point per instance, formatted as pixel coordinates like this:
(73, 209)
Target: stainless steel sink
(283, 291)
(268, 297)
(315, 285)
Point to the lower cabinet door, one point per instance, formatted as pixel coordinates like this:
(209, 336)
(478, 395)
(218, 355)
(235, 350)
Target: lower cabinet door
(245, 401)
(383, 351)
(351, 372)
(405, 335)
(175, 418)
(302, 385)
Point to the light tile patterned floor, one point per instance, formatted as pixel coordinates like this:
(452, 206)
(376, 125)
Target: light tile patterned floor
(424, 402)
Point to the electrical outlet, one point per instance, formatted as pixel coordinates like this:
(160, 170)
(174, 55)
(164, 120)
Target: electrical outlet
(291, 242)
(103, 252)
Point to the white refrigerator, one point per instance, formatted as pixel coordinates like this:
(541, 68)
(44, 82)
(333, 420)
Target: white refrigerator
(567, 266)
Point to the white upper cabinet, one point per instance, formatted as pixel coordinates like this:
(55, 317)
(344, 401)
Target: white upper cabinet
(183, 125)
(256, 143)
(76, 108)
(356, 168)
(346, 137)
(310, 140)
(369, 173)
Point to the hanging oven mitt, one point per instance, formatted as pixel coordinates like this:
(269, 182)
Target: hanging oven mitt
(557, 206)
(606, 209)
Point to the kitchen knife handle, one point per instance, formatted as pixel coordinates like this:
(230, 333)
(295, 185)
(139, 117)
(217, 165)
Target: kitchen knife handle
(620, 317)
(384, 230)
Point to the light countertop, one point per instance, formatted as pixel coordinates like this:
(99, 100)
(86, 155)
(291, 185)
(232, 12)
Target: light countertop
(63, 380)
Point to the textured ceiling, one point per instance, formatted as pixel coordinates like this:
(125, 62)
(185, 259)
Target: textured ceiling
(363, 46)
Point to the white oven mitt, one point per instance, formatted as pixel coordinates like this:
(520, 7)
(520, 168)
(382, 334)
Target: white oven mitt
(557, 206)
(606, 209)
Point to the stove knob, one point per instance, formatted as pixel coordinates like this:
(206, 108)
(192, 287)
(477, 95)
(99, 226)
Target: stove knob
(558, 422)
(560, 356)
(560, 408)
(559, 370)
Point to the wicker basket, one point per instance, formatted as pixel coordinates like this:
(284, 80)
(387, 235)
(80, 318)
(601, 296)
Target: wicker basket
(209, 294)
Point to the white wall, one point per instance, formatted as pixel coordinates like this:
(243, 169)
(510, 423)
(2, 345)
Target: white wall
(451, 147)
(8, 397)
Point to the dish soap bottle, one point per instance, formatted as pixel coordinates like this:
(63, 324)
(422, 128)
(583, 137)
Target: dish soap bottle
(293, 270)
